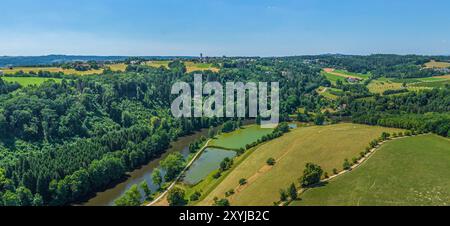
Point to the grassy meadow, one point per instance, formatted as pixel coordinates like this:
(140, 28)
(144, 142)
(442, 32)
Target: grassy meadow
(334, 75)
(436, 64)
(190, 66)
(327, 146)
(382, 84)
(50, 69)
(409, 171)
(28, 81)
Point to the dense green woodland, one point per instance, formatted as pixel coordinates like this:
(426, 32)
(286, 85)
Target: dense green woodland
(60, 143)
(426, 111)
(381, 65)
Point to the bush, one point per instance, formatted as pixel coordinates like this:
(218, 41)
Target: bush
(293, 193)
(355, 160)
(385, 136)
(335, 171)
(176, 197)
(347, 165)
(325, 175)
(283, 195)
(242, 181)
(229, 193)
(222, 202)
(362, 155)
(217, 175)
(311, 175)
(271, 161)
(195, 196)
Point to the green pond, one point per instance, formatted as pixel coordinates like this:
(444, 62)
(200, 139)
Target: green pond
(208, 161)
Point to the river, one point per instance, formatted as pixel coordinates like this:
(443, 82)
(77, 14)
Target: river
(107, 198)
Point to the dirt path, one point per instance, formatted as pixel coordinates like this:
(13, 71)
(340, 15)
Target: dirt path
(358, 164)
(162, 195)
(266, 168)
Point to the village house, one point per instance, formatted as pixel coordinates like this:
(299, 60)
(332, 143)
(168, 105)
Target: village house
(353, 80)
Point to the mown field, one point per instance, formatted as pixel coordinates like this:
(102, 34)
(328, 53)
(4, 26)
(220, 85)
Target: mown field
(241, 137)
(190, 66)
(327, 146)
(330, 93)
(334, 75)
(382, 84)
(436, 64)
(409, 171)
(50, 69)
(27, 81)
(114, 67)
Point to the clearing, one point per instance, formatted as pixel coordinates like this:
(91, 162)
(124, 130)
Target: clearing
(437, 64)
(28, 81)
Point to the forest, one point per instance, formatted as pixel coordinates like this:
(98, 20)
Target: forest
(62, 142)
(381, 65)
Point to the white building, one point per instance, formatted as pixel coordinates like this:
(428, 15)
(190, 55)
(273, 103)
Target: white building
(1, 73)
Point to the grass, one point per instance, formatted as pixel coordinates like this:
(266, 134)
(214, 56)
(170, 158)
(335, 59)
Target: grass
(351, 74)
(241, 137)
(436, 64)
(118, 67)
(409, 171)
(382, 84)
(190, 66)
(329, 93)
(333, 78)
(334, 75)
(28, 81)
(327, 146)
(50, 69)
(435, 84)
(158, 64)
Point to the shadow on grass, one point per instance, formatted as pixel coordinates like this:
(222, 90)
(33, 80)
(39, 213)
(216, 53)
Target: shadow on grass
(318, 185)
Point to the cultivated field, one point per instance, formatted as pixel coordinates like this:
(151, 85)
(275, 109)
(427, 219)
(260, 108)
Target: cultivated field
(159, 63)
(382, 84)
(436, 64)
(327, 146)
(333, 75)
(114, 67)
(118, 67)
(27, 81)
(190, 66)
(329, 93)
(409, 171)
(241, 137)
(50, 69)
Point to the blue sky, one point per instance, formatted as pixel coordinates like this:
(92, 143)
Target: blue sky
(224, 27)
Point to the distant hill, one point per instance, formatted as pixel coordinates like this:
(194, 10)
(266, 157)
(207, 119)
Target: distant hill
(52, 59)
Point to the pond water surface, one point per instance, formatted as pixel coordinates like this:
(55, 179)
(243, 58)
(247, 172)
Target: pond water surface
(208, 161)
